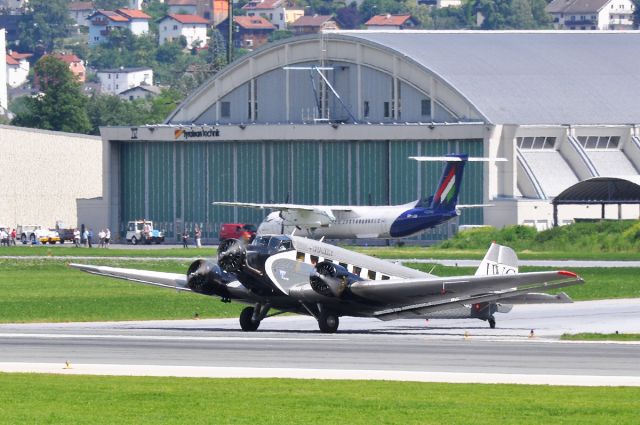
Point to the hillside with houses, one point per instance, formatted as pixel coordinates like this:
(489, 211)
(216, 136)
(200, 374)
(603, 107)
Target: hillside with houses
(135, 49)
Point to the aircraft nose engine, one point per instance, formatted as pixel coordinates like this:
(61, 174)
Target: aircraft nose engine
(331, 280)
(231, 255)
(206, 277)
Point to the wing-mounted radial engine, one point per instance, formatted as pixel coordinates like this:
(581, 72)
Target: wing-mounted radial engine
(232, 255)
(247, 262)
(332, 280)
(208, 278)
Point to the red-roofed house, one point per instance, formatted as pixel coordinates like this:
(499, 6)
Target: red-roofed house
(390, 22)
(272, 10)
(192, 27)
(17, 68)
(214, 11)
(79, 11)
(76, 66)
(101, 22)
(253, 31)
(313, 24)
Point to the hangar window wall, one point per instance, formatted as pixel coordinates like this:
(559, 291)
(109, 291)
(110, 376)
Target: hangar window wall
(599, 142)
(536, 143)
(382, 98)
(174, 183)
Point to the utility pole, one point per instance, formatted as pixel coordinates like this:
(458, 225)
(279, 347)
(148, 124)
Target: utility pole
(230, 43)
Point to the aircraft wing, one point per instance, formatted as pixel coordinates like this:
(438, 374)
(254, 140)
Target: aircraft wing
(287, 207)
(176, 281)
(424, 295)
(462, 206)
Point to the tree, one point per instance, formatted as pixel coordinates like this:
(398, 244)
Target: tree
(110, 4)
(61, 104)
(46, 21)
(217, 52)
(104, 110)
(520, 16)
(348, 17)
(636, 14)
(369, 8)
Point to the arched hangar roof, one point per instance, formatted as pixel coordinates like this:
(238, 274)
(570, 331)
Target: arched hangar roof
(602, 190)
(501, 77)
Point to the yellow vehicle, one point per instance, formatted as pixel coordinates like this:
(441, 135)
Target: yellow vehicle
(33, 233)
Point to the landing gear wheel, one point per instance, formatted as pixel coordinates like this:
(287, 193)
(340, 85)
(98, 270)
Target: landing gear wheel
(246, 320)
(492, 322)
(328, 322)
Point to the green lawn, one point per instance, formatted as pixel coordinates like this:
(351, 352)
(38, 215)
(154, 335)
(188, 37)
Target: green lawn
(49, 291)
(600, 337)
(392, 252)
(52, 399)
(46, 290)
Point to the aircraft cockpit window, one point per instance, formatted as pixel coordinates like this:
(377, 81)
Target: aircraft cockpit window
(280, 244)
(262, 241)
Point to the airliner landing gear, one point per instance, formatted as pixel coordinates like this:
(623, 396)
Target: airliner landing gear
(246, 320)
(328, 322)
(492, 322)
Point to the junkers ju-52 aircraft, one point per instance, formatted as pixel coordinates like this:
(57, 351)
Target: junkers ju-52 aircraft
(277, 274)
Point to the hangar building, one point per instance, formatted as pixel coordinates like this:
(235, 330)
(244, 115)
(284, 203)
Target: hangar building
(332, 118)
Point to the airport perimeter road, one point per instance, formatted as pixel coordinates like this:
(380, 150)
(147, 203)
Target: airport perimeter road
(364, 349)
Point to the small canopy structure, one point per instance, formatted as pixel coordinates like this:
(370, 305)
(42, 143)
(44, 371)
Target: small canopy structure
(600, 190)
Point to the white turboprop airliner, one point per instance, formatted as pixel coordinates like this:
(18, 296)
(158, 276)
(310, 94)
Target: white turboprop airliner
(383, 221)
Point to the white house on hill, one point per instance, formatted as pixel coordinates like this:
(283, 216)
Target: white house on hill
(115, 81)
(591, 14)
(102, 22)
(17, 68)
(192, 27)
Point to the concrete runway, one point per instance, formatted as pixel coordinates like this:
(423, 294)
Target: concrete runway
(290, 346)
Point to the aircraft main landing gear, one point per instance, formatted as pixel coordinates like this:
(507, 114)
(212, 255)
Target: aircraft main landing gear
(250, 317)
(492, 322)
(328, 322)
(246, 320)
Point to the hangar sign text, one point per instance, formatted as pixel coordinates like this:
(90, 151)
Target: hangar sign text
(196, 133)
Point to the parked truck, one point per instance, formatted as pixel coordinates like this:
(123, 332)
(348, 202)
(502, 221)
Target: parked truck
(142, 231)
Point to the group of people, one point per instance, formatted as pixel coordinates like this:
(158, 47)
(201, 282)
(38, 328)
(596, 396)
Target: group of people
(104, 238)
(197, 235)
(7, 238)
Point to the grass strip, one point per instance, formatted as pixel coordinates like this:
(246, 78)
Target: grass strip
(30, 398)
(42, 290)
(390, 252)
(49, 291)
(600, 337)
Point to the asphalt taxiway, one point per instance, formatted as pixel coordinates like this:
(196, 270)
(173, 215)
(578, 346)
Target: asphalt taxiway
(291, 346)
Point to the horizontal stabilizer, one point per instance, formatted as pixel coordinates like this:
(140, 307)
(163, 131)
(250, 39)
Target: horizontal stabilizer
(539, 298)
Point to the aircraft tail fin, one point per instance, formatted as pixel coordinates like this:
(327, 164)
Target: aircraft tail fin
(446, 194)
(498, 260)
